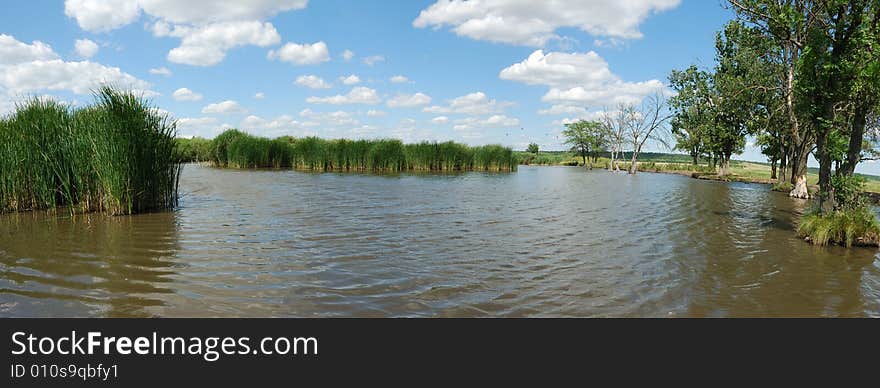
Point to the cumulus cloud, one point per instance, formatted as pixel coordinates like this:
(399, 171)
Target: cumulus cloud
(399, 79)
(348, 55)
(225, 107)
(358, 95)
(106, 15)
(376, 113)
(409, 100)
(207, 45)
(578, 79)
(533, 24)
(161, 71)
(557, 110)
(338, 118)
(374, 59)
(301, 54)
(207, 127)
(85, 48)
(185, 94)
(207, 28)
(259, 96)
(471, 104)
(13, 52)
(102, 15)
(279, 126)
(350, 80)
(312, 82)
(440, 120)
(496, 121)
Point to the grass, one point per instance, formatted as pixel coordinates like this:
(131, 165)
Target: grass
(843, 227)
(676, 163)
(115, 156)
(236, 149)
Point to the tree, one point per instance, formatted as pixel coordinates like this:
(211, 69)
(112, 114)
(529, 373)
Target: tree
(692, 110)
(785, 25)
(533, 148)
(614, 129)
(643, 123)
(584, 137)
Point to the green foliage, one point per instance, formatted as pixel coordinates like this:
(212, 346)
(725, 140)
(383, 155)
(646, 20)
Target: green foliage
(587, 138)
(848, 191)
(533, 148)
(236, 149)
(117, 156)
(192, 150)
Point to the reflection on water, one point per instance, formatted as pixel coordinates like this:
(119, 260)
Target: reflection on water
(538, 242)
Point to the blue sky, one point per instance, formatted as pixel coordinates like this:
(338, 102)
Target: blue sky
(465, 71)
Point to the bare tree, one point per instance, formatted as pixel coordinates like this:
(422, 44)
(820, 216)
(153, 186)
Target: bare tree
(646, 122)
(614, 125)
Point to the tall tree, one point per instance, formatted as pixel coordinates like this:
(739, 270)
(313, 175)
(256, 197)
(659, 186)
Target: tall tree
(785, 24)
(692, 110)
(584, 137)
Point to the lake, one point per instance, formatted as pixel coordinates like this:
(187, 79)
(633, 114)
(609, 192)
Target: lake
(540, 242)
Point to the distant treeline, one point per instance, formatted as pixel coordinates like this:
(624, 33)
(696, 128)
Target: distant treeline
(116, 155)
(236, 149)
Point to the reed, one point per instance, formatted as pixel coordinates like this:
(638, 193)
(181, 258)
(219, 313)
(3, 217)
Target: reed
(236, 149)
(115, 156)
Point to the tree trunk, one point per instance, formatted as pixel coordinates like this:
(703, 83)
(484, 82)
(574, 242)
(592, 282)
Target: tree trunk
(773, 169)
(634, 166)
(856, 138)
(611, 165)
(783, 166)
(584, 155)
(826, 190)
(799, 177)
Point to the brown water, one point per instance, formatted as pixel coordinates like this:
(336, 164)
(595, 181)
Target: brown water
(556, 242)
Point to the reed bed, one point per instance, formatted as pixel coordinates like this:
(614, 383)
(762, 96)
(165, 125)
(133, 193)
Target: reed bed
(236, 149)
(115, 156)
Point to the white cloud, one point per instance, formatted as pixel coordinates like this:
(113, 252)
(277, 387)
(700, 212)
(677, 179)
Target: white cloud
(207, 127)
(372, 60)
(347, 55)
(207, 45)
(77, 77)
(210, 11)
(471, 104)
(399, 79)
(578, 79)
(102, 15)
(302, 54)
(13, 52)
(533, 23)
(312, 82)
(350, 80)
(496, 121)
(106, 15)
(358, 95)
(207, 28)
(184, 94)
(161, 71)
(225, 107)
(279, 126)
(409, 100)
(86, 48)
(259, 96)
(376, 113)
(338, 118)
(440, 120)
(557, 110)
(29, 68)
